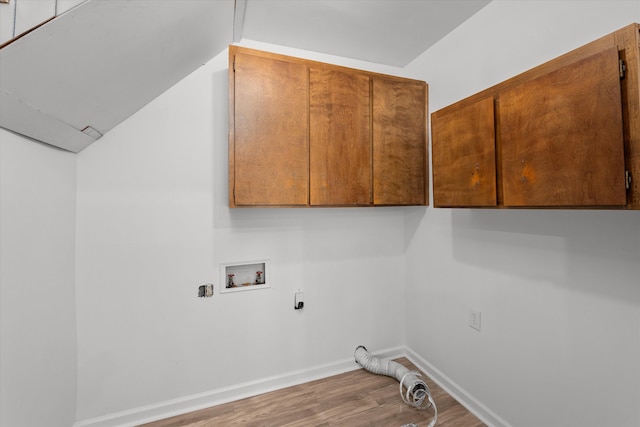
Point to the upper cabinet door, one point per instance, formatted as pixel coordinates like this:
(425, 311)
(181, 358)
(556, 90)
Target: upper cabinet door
(400, 173)
(464, 156)
(561, 136)
(270, 152)
(340, 138)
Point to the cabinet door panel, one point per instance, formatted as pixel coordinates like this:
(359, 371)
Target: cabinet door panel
(340, 142)
(270, 132)
(399, 143)
(464, 156)
(561, 137)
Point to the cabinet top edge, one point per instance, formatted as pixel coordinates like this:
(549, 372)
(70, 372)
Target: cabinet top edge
(578, 53)
(233, 49)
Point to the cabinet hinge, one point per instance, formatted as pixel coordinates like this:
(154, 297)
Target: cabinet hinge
(234, 64)
(627, 180)
(622, 67)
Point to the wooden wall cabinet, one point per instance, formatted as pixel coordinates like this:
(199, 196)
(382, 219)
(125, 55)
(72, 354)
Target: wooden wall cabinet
(308, 134)
(565, 134)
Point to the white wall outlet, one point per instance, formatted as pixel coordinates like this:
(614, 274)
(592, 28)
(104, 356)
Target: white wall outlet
(474, 319)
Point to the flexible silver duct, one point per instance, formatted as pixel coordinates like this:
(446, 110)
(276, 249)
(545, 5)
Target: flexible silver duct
(413, 390)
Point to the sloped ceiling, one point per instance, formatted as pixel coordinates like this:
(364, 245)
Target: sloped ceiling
(102, 61)
(391, 32)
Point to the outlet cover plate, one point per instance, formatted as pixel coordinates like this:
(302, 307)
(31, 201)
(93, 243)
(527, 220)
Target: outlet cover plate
(475, 319)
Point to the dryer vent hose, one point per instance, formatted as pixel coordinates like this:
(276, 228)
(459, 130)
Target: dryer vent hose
(413, 389)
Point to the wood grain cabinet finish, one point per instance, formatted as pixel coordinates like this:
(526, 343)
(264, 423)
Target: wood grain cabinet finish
(340, 138)
(399, 143)
(308, 134)
(269, 159)
(565, 134)
(561, 137)
(464, 157)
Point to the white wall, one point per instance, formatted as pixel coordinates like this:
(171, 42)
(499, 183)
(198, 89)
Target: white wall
(37, 293)
(559, 291)
(152, 225)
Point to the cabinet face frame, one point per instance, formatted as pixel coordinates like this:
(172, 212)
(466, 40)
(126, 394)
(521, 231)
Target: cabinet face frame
(627, 43)
(423, 198)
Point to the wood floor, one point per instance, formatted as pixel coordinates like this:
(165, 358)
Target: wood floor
(356, 398)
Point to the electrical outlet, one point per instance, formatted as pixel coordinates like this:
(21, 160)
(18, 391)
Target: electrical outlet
(205, 291)
(474, 319)
(298, 301)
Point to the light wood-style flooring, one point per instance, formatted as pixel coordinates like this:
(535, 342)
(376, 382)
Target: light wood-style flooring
(352, 399)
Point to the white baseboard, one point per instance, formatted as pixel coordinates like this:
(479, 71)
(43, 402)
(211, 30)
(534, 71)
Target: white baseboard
(186, 404)
(468, 401)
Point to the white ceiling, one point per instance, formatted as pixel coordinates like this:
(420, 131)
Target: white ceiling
(100, 62)
(392, 32)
